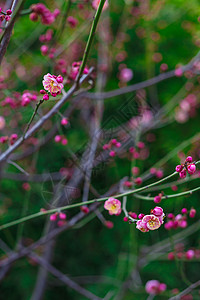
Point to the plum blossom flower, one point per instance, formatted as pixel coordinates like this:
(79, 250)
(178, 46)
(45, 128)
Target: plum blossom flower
(113, 206)
(52, 84)
(142, 226)
(152, 222)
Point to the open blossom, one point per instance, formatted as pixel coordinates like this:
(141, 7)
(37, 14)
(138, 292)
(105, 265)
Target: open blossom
(113, 206)
(52, 84)
(152, 222)
(142, 226)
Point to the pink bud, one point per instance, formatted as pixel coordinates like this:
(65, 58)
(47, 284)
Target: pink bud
(33, 17)
(106, 147)
(171, 256)
(9, 12)
(42, 92)
(64, 121)
(45, 97)
(133, 215)
(112, 153)
(157, 199)
(135, 170)
(184, 211)
(44, 49)
(64, 141)
(138, 180)
(53, 217)
(182, 174)
(190, 254)
(158, 211)
(118, 145)
(170, 216)
(59, 79)
(179, 168)
(85, 209)
(162, 287)
(192, 213)
(57, 138)
(62, 216)
(109, 224)
(125, 219)
(189, 159)
(191, 169)
(140, 216)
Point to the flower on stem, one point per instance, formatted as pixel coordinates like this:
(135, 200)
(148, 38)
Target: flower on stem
(152, 221)
(188, 166)
(53, 84)
(113, 206)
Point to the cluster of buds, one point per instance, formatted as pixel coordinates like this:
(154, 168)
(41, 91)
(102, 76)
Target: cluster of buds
(5, 15)
(188, 166)
(27, 97)
(61, 139)
(111, 147)
(152, 221)
(187, 109)
(180, 220)
(41, 10)
(52, 84)
(45, 50)
(47, 37)
(156, 172)
(113, 206)
(85, 209)
(60, 217)
(74, 71)
(11, 139)
(154, 287)
(139, 152)
(10, 101)
(188, 255)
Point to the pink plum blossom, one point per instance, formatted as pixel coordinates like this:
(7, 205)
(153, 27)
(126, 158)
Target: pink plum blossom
(113, 206)
(51, 84)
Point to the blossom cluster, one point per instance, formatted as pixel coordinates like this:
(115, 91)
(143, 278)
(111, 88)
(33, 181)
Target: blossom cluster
(111, 146)
(180, 220)
(47, 17)
(5, 15)
(152, 221)
(154, 287)
(11, 139)
(74, 71)
(188, 166)
(27, 97)
(59, 217)
(61, 139)
(139, 152)
(181, 254)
